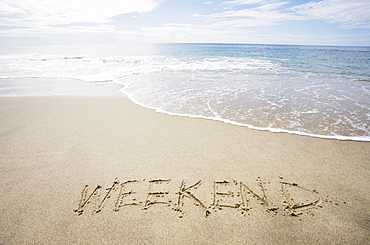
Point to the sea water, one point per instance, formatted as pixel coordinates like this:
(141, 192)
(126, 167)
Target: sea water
(319, 91)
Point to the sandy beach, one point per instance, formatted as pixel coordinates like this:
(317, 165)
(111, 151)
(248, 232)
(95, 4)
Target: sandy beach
(102, 170)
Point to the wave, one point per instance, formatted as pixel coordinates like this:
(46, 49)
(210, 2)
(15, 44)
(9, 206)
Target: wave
(256, 92)
(92, 69)
(274, 130)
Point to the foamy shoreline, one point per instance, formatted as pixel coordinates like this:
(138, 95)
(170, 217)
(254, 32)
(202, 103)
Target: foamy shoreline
(305, 90)
(53, 146)
(273, 130)
(14, 87)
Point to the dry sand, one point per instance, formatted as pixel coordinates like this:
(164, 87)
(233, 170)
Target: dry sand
(52, 147)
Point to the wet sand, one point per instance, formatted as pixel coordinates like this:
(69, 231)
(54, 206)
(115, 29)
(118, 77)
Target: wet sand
(171, 180)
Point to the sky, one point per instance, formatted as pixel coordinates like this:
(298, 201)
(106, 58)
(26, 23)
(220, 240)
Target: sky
(301, 22)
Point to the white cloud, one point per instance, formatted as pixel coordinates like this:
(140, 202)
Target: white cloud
(348, 14)
(36, 13)
(176, 24)
(174, 33)
(271, 6)
(256, 18)
(93, 18)
(246, 2)
(51, 31)
(266, 14)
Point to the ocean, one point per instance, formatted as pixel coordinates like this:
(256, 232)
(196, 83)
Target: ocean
(318, 91)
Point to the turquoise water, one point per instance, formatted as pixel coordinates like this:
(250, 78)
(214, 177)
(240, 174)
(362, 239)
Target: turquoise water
(309, 90)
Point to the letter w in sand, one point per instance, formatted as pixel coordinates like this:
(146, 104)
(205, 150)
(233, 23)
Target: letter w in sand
(94, 195)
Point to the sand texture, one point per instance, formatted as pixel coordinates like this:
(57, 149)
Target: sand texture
(102, 170)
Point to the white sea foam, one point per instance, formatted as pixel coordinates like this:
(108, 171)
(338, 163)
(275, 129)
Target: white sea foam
(274, 130)
(260, 93)
(258, 101)
(92, 69)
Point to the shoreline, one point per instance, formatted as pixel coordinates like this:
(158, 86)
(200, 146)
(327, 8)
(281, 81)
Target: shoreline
(39, 87)
(53, 146)
(272, 130)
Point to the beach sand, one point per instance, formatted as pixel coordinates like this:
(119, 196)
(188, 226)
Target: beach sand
(189, 181)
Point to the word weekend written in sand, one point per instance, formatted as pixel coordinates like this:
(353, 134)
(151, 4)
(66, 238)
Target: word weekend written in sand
(226, 194)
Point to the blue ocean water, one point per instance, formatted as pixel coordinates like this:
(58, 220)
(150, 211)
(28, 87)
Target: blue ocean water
(318, 91)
